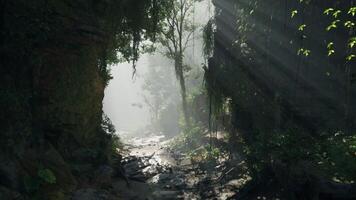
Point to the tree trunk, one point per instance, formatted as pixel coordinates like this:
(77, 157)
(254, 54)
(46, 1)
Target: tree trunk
(180, 75)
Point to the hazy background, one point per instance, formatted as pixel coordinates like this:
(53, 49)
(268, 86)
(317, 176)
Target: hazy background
(124, 92)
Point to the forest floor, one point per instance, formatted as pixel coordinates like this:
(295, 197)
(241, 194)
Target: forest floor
(155, 172)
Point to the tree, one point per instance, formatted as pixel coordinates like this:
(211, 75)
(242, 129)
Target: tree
(175, 36)
(160, 96)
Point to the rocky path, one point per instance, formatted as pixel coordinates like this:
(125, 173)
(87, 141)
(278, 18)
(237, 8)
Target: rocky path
(156, 172)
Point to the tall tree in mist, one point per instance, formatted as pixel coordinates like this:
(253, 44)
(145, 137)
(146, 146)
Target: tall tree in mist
(175, 37)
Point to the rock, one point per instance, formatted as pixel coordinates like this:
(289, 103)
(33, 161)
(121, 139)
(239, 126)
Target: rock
(52, 160)
(6, 193)
(179, 183)
(150, 170)
(10, 175)
(165, 194)
(103, 176)
(136, 191)
(90, 194)
(167, 187)
(186, 161)
(160, 178)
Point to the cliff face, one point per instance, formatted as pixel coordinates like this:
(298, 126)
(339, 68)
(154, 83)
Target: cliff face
(276, 72)
(286, 96)
(51, 92)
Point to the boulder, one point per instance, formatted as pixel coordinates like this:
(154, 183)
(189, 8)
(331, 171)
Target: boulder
(6, 193)
(90, 194)
(103, 176)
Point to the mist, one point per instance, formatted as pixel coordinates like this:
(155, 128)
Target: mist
(123, 93)
(124, 101)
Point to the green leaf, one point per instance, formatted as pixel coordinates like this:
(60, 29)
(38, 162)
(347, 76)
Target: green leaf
(330, 52)
(349, 24)
(350, 57)
(330, 45)
(302, 27)
(328, 11)
(352, 11)
(336, 13)
(294, 12)
(332, 25)
(305, 52)
(352, 42)
(300, 51)
(47, 175)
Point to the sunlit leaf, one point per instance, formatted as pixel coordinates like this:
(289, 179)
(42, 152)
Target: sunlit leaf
(306, 52)
(352, 11)
(352, 42)
(350, 57)
(349, 24)
(294, 12)
(328, 11)
(302, 27)
(336, 13)
(330, 52)
(300, 51)
(330, 45)
(332, 25)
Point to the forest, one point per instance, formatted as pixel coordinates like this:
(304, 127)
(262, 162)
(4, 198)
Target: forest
(247, 99)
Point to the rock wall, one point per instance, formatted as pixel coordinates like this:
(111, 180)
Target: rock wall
(51, 92)
(256, 64)
(286, 96)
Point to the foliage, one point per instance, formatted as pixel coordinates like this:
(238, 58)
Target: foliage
(47, 176)
(269, 73)
(334, 156)
(337, 157)
(34, 184)
(190, 139)
(175, 37)
(114, 141)
(208, 38)
(107, 125)
(339, 17)
(205, 154)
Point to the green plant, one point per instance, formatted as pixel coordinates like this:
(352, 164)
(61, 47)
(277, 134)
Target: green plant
(337, 157)
(47, 176)
(34, 184)
(208, 39)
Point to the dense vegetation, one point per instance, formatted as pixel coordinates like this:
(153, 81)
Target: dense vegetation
(284, 71)
(279, 82)
(55, 58)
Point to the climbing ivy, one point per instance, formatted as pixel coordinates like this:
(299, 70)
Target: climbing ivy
(339, 18)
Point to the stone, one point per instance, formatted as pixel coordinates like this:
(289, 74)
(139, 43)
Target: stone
(103, 176)
(160, 178)
(90, 194)
(10, 175)
(6, 193)
(165, 194)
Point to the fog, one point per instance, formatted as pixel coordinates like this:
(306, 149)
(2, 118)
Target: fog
(124, 101)
(123, 92)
